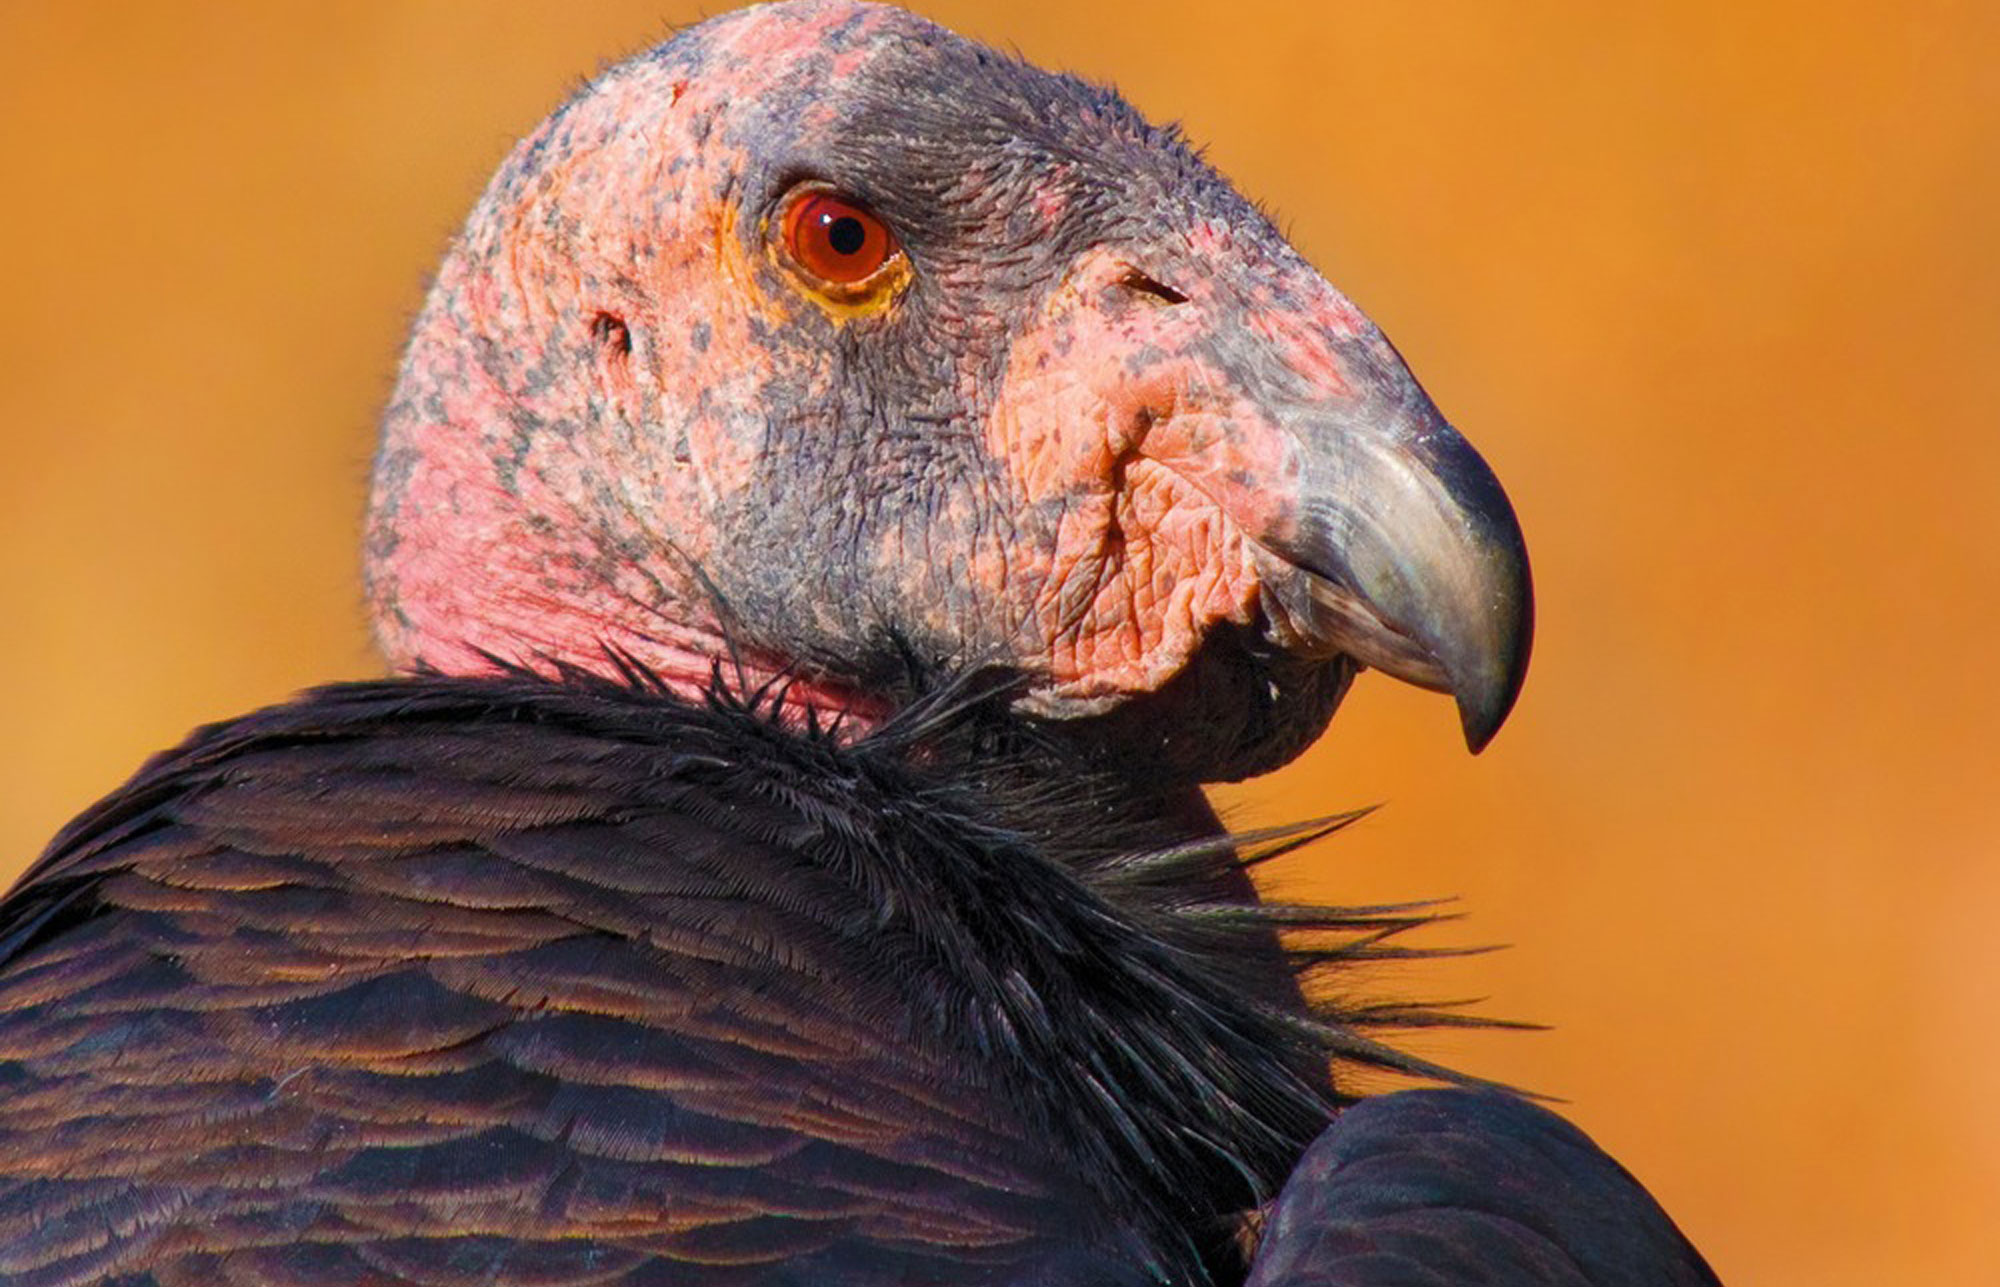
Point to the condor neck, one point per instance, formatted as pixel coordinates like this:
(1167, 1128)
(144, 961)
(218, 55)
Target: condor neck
(687, 663)
(479, 564)
(530, 605)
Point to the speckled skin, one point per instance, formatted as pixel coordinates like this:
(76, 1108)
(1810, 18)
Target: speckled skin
(1075, 445)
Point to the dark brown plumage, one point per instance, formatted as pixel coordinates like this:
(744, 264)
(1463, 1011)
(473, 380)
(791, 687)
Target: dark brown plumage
(411, 962)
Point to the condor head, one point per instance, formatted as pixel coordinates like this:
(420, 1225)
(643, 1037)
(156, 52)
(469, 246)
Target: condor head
(824, 339)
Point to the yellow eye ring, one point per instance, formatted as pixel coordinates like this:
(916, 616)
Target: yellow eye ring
(844, 255)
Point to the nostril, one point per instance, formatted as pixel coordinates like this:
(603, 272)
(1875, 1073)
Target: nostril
(1134, 280)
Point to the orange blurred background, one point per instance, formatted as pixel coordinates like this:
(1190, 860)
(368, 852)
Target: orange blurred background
(1715, 287)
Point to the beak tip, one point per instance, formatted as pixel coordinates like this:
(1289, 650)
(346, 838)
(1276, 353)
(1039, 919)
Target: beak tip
(1486, 697)
(1481, 718)
(1479, 730)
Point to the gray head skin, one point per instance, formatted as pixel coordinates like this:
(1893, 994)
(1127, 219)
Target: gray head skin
(821, 334)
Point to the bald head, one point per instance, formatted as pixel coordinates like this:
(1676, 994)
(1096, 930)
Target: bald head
(823, 332)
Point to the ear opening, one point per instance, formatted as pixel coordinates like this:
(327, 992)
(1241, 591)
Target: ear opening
(613, 336)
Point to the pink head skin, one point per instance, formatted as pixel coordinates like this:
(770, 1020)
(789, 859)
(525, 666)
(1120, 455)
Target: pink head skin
(1101, 428)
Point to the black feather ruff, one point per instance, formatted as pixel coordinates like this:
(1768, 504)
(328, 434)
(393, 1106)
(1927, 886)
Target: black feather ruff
(1086, 940)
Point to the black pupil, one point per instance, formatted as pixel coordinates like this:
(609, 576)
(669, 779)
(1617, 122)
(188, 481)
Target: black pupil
(846, 234)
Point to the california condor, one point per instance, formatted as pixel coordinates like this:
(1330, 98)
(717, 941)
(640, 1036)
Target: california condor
(846, 491)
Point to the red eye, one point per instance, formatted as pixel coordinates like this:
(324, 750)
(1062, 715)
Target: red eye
(835, 241)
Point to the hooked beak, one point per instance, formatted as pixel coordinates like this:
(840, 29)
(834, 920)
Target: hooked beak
(1361, 530)
(1408, 556)
(1380, 534)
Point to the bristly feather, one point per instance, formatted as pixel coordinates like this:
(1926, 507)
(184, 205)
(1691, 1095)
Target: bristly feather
(1037, 787)
(1054, 797)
